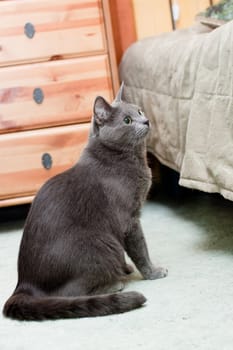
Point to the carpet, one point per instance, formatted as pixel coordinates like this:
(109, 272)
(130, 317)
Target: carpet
(190, 309)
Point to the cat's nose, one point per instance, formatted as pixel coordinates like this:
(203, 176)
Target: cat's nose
(146, 122)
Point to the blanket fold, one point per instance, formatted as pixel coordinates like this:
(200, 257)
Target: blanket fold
(183, 82)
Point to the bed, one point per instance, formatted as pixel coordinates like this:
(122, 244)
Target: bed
(184, 83)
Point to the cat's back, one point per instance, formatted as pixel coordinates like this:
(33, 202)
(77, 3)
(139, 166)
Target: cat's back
(66, 197)
(68, 185)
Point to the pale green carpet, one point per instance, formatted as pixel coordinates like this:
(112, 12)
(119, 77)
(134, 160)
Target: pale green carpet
(190, 309)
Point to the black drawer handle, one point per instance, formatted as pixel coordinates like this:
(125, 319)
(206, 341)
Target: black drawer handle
(47, 161)
(29, 30)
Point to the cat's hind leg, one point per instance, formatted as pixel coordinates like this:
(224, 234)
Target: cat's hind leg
(72, 288)
(109, 289)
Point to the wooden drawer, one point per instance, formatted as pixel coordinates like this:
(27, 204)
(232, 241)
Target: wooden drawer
(69, 88)
(21, 169)
(61, 28)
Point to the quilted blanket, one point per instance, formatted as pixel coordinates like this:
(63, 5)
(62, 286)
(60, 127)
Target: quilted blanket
(184, 83)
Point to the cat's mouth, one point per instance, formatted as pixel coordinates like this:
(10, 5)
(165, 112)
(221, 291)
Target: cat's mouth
(143, 131)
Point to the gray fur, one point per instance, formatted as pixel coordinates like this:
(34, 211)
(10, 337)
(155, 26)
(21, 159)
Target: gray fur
(83, 220)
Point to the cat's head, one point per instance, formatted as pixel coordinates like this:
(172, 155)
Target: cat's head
(119, 124)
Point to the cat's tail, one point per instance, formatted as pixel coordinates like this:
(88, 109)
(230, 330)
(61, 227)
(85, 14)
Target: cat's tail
(27, 307)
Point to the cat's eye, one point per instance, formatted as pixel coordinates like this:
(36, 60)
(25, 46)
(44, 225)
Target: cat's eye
(127, 120)
(140, 112)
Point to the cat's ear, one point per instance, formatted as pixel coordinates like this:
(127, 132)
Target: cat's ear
(102, 110)
(119, 94)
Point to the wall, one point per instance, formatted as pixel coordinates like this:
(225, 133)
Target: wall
(154, 16)
(136, 19)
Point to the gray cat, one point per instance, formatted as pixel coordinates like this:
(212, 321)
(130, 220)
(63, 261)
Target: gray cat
(71, 261)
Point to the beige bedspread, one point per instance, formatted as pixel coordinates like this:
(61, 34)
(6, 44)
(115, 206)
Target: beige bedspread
(184, 83)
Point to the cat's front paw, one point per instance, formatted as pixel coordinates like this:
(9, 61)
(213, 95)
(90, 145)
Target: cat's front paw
(155, 273)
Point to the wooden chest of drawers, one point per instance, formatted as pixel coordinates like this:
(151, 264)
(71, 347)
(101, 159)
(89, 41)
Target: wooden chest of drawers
(56, 56)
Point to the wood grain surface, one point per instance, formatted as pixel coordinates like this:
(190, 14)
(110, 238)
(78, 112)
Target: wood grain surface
(62, 28)
(21, 169)
(70, 57)
(69, 88)
(123, 25)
